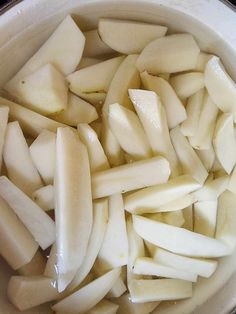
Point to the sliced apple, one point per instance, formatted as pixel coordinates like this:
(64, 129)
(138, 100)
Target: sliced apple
(128, 36)
(190, 162)
(4, 112)
(205, 214)
(77, 111)
(207, 157)
(86, 62)
(63, 49)
(51, 265)
(159, 290)
(126, 127)
(224, 142)
(94, 46)
(130, 177)
(169, 54)
(174, 218)
(100, 223)
(175, 111)
(201, 267)
(35, 267)
(147, 266)
(17, 245)
(153, 118)
(117, 290)
(44, 197)
(73, 204)
(104, 307)
(149, 199)
(26, 292)
(25, 117)
(87, 297)
(220, 86)
(97, 158)
(179, 240)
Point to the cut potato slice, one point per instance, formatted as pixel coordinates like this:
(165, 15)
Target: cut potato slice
(97, 99)
(63, 49)
(44, 91)
(169, 54)
(43, 153)
(97, 127)
(126, 127)
(205, 214)
(86, 62)
(232, 182)
(148, 200)
(201, 267)
(26, 292)
(178, 240)
(147, 266)
(189, 160)
(35, 267)
(159, 290)
(224, 142)
(130, 177)
(115, 239)
(4, 112)
(32, 123)
(207, 157)
(20, 167)
(174, 218)
(94, 46)
(117, 290)
(17, 245)
(194, 105)
(77, 111)
(44, 197)
(51, 265)
(175, 111)
(100, 224)
(188, 218)
(40, 225)
(153, 118)
(104, 307)
(177, 204)
(73, 204)
(220, 86)
(94, 78)
(87, 297)
(187, 84)
(202, 60)
(128, 37)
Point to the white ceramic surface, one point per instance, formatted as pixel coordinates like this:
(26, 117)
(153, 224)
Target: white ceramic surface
(26, 26)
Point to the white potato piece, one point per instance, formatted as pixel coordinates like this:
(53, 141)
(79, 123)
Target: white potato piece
(211, 190)
(32, 123)
(104, 307)
(94, 78)
(44, 91)
(126, 127)
(206, 125)
(43, 154)
(188, 218)
(128, 37)
(100, 224)
(40, 225)
(35, 267)
(159, 290)
(177, 204)
(148, 200)
(86, 62)
(73, 204)
(117, 290)
(174, 218)
(95, 98)
(175, 111)
(207, 157)
(44, 197)
(178, 240)
(94, 46)
(169, 54)
(190, 162)
(130, 177)
(63, 49)
(86, 298)
(202, 60)
(97, 127)
(220, 86)
(51, 265)
(153, 118)
(187, 84)
(77, 111)
(193, 108)
(115, 239)
(226, 219)
(224, 142)
(201, 267)
(19, 164)
(97, 158)
(17, 246)
(205, 216)
(26, 292)
(4, 112)
(128, 307)
(232, 182)
(147, 266)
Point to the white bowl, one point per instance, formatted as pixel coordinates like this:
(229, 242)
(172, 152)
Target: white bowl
(26, 26)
